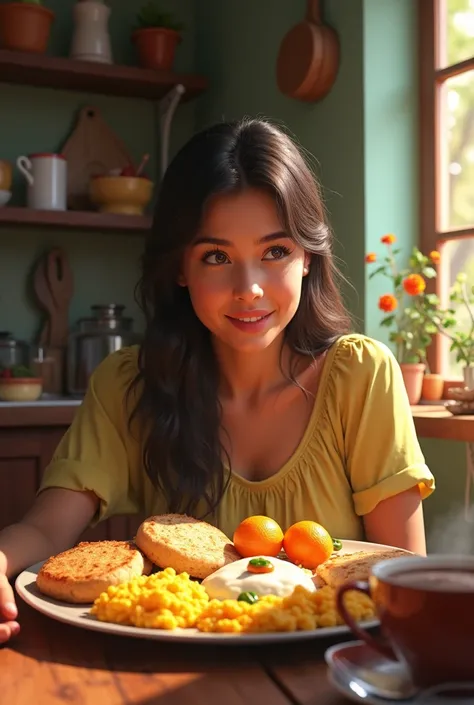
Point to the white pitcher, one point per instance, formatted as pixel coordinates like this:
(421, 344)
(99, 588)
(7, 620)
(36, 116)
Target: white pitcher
(46, 175)
(91, 39)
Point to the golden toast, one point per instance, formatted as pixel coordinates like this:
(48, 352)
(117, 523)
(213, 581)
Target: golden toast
(186, 544)
(347, 567)
(81, 573)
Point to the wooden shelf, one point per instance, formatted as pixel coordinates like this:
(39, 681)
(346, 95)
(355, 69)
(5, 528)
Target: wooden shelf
(83, 220)
(107, 79)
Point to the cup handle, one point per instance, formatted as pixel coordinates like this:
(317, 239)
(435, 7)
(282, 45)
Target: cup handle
(25, 166)
(380, 645)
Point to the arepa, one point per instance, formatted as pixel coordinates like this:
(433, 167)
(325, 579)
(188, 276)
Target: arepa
(186, 544)
(82, 573)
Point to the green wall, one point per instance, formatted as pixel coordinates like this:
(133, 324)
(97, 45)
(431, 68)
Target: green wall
(362, 138)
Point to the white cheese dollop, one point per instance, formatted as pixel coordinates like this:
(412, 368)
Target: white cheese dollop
(232, 579)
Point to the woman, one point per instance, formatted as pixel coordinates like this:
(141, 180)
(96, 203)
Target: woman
(249, 394)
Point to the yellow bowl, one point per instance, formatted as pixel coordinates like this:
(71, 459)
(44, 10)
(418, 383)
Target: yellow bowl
(21, 389)
(127, 195)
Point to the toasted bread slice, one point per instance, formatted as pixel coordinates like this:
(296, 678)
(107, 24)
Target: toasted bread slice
(80, 574)
(185, 544)
(354, 566)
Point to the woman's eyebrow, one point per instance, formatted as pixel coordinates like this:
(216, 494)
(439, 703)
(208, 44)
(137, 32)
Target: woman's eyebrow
(208, 240)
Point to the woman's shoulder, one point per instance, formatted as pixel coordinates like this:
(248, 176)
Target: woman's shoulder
(115, 373)
(359, 351)
(358, 362)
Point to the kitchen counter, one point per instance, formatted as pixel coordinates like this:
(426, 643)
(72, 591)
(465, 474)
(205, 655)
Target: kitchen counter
(44, 412)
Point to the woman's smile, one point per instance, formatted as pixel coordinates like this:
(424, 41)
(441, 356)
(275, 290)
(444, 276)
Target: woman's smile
(251, 321)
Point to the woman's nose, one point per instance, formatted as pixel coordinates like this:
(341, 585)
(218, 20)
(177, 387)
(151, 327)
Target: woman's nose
(247, 286)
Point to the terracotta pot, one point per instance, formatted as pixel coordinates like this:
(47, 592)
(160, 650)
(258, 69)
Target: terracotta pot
(432, 387)
(413, 377)
(156, 47)
(25, 27)
(6, 173)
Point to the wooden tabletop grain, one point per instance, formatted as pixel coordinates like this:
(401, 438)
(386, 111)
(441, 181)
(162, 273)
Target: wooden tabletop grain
(50, 663)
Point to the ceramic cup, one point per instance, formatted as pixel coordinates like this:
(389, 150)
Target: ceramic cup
(426, 612)
(46, 175)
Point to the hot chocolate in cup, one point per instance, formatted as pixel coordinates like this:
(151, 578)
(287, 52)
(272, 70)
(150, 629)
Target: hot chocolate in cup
(426, 610)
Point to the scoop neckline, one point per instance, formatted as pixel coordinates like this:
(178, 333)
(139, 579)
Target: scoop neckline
(319, 401)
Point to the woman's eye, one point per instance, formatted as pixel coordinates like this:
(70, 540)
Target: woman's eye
(215, 257)
(276, 252)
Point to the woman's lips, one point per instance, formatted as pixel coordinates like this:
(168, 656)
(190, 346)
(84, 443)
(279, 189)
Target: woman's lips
(250, 321)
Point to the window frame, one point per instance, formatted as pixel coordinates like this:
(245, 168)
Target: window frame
(431, 78)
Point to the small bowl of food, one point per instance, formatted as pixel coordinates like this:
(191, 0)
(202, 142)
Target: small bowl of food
(18, 383)
(126, 192)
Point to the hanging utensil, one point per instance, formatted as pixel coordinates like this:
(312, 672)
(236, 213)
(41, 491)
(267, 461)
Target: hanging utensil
(60, 281)
(308, 60)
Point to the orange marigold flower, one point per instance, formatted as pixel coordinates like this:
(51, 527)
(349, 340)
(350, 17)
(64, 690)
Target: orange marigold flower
(388, 239)
(435, 257)
(414, 284)
(370, 257)
(388, 303)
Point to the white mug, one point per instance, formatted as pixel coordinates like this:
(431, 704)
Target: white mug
(46, 175)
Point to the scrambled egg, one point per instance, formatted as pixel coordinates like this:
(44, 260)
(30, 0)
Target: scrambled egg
(167, 600)
(162, 600)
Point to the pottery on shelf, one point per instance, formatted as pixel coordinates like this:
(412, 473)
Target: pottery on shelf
(91, 38)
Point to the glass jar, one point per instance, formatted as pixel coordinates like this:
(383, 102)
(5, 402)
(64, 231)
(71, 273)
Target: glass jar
(93, 339)
(12, 352)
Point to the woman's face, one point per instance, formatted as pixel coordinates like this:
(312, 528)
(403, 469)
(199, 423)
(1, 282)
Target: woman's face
(243, 272)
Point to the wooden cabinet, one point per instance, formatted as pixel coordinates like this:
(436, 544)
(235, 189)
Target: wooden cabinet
(25, 452)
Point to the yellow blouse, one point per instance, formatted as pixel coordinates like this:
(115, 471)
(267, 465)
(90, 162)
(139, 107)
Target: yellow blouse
(359, 448)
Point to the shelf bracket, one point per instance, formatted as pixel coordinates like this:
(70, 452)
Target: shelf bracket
(166, 108)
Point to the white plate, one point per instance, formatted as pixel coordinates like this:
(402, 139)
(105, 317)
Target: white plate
(79, 615)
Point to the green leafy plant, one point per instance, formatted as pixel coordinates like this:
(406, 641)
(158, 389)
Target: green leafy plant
(150, 15)
(15, 372)
(462, 342)
(409, 309)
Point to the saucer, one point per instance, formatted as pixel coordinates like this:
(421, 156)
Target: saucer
(362, 675)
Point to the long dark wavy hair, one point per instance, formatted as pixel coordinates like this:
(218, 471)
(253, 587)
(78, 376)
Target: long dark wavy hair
(178, 378)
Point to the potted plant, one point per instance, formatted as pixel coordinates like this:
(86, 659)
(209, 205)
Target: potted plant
(25, 26)
(157, 35)
(410, 311)
(462, 342)
(18, 383)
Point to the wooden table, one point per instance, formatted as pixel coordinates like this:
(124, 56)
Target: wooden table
(50, 663)
(437, 422)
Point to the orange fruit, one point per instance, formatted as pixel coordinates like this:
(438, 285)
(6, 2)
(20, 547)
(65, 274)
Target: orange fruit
(308, 544)
(258, 536)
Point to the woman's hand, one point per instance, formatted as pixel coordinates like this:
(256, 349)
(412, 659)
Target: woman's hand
(8, 610)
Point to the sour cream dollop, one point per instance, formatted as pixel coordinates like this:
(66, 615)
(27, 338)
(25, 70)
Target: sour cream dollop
(232, 579)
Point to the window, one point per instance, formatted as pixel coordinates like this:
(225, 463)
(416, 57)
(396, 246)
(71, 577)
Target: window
(446, 44)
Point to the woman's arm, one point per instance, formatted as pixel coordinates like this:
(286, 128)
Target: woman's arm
(53, 524)
(398, 521)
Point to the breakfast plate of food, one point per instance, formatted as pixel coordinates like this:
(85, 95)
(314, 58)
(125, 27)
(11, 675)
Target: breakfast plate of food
(182, 579)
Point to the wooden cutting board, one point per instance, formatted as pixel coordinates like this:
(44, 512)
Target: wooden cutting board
(92, 148)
